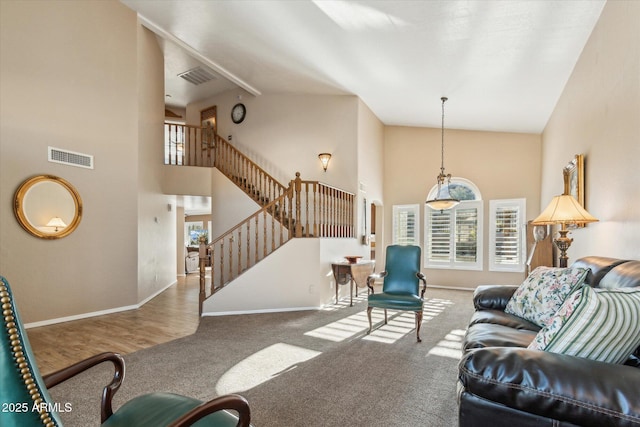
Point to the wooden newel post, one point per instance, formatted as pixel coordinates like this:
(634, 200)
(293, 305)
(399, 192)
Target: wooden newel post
(298, 188)
(203, 262)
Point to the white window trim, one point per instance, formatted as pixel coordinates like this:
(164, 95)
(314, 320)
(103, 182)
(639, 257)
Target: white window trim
(395, 210)
(451, 263)
(521, 206)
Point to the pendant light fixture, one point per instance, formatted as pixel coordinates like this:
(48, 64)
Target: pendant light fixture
(443, 199)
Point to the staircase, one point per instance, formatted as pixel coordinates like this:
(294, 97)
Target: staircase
(302, 209)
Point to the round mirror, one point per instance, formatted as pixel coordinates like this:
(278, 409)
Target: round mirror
(48, 207)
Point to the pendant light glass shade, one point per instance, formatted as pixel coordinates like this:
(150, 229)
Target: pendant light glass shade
(443, 199)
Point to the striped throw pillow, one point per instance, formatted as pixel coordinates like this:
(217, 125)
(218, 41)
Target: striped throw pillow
(601, 324)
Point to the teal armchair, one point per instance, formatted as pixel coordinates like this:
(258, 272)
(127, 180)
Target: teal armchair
(26, 401)
(401, 286)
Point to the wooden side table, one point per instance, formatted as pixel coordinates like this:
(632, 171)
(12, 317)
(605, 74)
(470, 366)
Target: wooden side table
(345, 272)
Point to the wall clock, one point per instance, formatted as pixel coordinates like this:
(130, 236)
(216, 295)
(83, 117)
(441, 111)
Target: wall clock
(238, 112)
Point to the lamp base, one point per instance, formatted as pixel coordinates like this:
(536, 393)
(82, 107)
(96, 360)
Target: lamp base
(562, 243)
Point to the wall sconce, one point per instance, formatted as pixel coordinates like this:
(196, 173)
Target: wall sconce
(56, 222)
(324, 158)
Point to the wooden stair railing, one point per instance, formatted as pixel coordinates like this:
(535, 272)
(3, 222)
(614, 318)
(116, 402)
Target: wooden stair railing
(322, 210)
(304, 209)
(247, 243)
(246, 174)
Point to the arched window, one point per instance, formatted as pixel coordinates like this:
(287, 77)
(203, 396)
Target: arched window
(453, 237)
(460, 188)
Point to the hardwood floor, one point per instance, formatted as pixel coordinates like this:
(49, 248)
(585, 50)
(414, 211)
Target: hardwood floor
(170, 315)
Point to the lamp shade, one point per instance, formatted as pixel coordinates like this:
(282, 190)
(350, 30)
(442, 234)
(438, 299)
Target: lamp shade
(324, 158)
(56, 221)
(442, 204)
(564, 209)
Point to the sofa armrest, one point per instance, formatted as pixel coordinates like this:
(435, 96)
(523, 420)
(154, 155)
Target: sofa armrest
(565, 388)
(492, 297)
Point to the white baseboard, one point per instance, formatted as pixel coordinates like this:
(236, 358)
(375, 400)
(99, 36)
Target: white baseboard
(268, 310)
(96, 313)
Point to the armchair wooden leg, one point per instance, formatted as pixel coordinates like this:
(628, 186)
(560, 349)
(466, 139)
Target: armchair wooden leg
(418, 324)
(369, 316)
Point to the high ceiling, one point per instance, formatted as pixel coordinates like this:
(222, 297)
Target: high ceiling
(502, 64)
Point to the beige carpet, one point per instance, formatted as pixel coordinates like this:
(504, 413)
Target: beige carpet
(311, 368)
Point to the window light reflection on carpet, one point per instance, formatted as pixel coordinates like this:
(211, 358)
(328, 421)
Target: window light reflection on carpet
(450, 346)
(262, 366)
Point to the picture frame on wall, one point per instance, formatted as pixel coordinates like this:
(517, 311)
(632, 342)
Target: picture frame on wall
(209, 117)
(575, 173)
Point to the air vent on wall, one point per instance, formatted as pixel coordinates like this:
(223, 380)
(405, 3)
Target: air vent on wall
(197, 75)
(71, 158)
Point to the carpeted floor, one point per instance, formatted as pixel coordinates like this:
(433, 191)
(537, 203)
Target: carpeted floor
(311, 368)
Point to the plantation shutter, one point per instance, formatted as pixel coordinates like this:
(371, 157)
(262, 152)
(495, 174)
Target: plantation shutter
(466, 235)
(439, 242)
(453, 237)
(507, 235)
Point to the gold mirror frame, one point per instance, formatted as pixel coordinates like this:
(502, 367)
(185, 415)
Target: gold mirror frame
(42, 230)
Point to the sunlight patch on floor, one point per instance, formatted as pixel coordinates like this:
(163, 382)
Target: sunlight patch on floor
(402, 323)
(450, 346)
(343, 329)
(263, 366)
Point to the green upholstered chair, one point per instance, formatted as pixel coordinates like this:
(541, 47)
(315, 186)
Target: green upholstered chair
(26, 402)
(401, 286)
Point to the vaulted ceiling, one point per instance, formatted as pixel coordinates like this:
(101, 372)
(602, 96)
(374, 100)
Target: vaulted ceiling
(502, 64)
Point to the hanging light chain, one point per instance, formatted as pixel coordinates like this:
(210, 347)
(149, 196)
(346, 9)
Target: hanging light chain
(444, 98)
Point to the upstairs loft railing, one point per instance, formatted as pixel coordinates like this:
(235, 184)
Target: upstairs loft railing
(304, 209)
(186, 145)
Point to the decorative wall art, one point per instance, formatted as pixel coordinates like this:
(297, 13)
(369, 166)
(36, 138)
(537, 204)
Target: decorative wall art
(575, 174)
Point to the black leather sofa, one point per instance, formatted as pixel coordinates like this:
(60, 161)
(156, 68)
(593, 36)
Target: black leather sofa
(501, 383)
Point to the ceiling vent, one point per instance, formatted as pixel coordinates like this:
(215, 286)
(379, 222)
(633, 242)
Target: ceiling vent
(71, 158)
(197, 76)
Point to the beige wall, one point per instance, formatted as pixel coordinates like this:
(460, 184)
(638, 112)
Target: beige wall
(156, 221)
(69, 79)
(371, 175)
(502, 165)
(598, 115)
(285, 133)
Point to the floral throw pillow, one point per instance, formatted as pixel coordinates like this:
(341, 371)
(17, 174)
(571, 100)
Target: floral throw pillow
(540, 296)
(598, 324)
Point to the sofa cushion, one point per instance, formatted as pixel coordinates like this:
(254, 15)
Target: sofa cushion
(625, 275)
(492, 297)
(542, 293)
(596, 324)
(483, 335)
(599, 267)
(568, 390)
(498, 317)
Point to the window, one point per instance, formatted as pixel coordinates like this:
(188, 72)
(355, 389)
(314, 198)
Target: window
(507, 235)
(453, 237)
(193, 231)
(405, 224)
